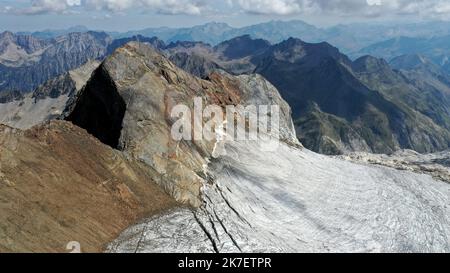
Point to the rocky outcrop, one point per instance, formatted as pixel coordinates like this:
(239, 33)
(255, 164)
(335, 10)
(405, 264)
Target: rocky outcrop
(48, 101)
(127, 104)
(59, 185)
(437, 164)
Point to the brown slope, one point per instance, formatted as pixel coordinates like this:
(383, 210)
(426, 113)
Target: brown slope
(58, 184)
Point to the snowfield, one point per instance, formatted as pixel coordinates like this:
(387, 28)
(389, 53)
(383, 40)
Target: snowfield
(24, 114)
(294, 200)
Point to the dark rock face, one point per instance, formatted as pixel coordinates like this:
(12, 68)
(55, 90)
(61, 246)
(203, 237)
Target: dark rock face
(232, 56)
(9, 96)
(59, 56)
(126, 105)
(100, 109)
(375, 106)
(56, 87)
(241, 47)
(196, 65)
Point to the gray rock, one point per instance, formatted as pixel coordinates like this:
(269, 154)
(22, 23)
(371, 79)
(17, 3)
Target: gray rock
(127, 105)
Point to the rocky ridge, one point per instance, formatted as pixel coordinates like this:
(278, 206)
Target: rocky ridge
(48, 101)
(127, 104)
(436, 164)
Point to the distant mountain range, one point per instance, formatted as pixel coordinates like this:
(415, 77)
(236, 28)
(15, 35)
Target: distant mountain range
(339, 105)
(342, 106)
(31, 53)
(348, 38)
(437, 49)
(27, 61)
(53, 33)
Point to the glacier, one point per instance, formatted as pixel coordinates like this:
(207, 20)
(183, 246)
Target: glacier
(294, 200)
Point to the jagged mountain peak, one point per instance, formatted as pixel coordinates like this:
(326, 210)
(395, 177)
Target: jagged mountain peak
(153, 41)
(295, 50)
(127, 105)
(152, 57)
(6, 34)
(369, 63)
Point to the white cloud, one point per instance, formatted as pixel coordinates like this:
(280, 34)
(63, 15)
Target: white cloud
(424, 8)
(46, 6)
(192, 7)
(280, 7)
(346, 7)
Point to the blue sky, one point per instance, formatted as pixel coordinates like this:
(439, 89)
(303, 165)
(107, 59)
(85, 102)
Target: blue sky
(121, 15)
